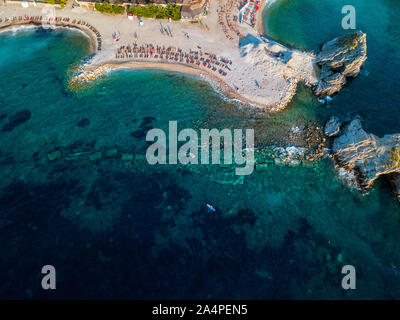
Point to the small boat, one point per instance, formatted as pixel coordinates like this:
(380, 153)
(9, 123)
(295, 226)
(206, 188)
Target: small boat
(209, 206)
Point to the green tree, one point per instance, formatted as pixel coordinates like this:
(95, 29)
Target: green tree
(161, 14)
(105, 7)
(176, 14)
(152, 9)
(173, 12)
(394, 157)
(62, 3)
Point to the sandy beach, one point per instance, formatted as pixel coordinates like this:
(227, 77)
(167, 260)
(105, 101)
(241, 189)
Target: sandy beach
(232, 54)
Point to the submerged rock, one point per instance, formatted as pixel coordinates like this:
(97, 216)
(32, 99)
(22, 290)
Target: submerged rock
(127, 157)
(332, 127)
(16, 120)
(83, 123)
(339, 59)
(262, 166)
(54, 155)
(140, 157)
(111, 153)
(227, 178)
(367, 155)
(95, 156)
(77, 156)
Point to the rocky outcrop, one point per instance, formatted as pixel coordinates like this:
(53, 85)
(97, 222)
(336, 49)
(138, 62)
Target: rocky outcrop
(339, 59)
(366, 155)
(332, 127)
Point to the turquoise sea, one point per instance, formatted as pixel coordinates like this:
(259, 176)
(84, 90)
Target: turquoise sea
(123, 229)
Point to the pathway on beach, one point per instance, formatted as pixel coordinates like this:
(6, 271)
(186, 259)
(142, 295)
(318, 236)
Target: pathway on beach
(258, 73)
(70, 4)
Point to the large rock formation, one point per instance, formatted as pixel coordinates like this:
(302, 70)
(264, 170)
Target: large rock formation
(332, 127)
(338, 59)
(367, 155)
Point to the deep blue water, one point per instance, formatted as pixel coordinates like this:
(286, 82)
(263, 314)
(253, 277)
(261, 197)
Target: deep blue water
(117, 229)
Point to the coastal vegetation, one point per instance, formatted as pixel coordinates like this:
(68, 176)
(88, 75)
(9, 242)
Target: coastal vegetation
(159, 12)
(62, 3)
(105, 7)
(349, 41)
(394, 158)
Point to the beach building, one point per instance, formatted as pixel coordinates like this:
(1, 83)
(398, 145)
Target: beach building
(88, 3)
(194, 9)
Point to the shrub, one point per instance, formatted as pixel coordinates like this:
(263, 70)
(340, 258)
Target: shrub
(173, 12)
(62, 3)
(349, 41)
(158, 12)
(394, 157)
(105, 7)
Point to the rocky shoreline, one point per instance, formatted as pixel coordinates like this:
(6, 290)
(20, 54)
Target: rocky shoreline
(339, 59)
(364, 156)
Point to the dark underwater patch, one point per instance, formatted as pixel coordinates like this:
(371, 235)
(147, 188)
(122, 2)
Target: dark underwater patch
(79, 146)
(83, 123)
(33, 233)
(6, 158)
(16, 120)
(247, 216)
(119, 262)
(144, 127)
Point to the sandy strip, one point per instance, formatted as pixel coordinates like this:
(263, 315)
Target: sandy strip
(260, 24)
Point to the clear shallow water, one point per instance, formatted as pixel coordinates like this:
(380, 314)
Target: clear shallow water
(114, 229)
